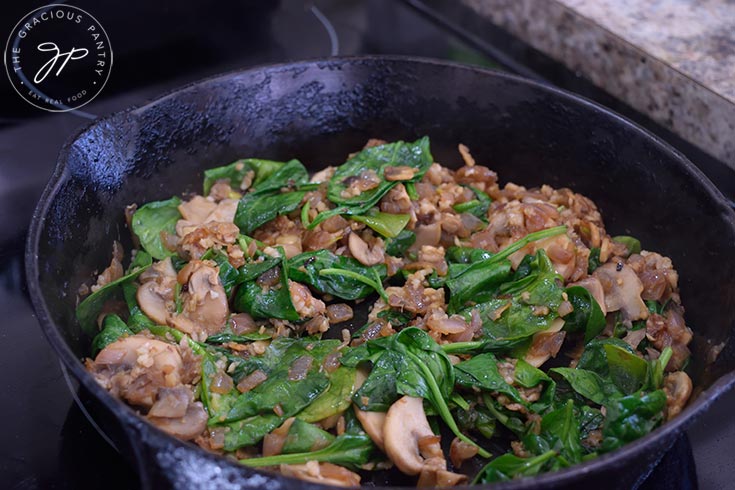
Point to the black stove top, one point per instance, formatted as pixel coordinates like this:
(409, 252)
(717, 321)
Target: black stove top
(48, 439)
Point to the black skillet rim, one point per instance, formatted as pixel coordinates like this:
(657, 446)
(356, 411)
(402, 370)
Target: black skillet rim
(131, 420)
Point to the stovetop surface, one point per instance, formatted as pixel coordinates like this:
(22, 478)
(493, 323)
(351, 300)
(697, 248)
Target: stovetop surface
(48, 443)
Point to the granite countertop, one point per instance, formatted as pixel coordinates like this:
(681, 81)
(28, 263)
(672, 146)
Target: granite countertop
(673, 60)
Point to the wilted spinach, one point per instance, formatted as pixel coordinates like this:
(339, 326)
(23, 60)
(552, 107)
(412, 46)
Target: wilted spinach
(267, 301)
(306, 268)
(113, 328)
(400, 244)
(587, 315)
(91, 306)
(632, 244)
(631, 417)
(388, 225)
(508, 466)
(350, 449)
(151, 220)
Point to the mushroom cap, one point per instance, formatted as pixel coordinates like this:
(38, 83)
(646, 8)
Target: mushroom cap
(373, 423)
(363, 253)
(405, 427)
(622, 289)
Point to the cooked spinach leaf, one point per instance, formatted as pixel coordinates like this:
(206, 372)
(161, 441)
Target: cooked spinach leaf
(388, 225)
(91, 306)
(398, 245)
(151, 220)
(632, 244)
(306, 267)
(350, 450)
(508, 466)
(587, 315)
(113, 328)
(267, 301)
(631, 417)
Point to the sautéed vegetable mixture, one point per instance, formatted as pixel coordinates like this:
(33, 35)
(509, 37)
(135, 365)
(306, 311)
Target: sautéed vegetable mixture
(501, 325)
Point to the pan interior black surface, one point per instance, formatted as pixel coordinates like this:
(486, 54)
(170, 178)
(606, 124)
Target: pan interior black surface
(319, 112)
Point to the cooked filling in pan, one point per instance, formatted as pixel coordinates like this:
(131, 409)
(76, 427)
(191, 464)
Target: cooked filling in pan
(498, 331)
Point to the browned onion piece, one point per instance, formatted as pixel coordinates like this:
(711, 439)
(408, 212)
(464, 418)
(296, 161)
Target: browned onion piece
(460, 451)
(340, 312)
(300, 368)
(221, 383)
(251, 381)
(243, 323)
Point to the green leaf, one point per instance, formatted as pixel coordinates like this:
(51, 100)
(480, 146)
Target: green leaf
(416, 155)
(656, 369)
(256, 209)
(587, 315)
(388, 225)
(519, 318)
(227, 273)
(274, 176)
(481, 371)
(153, 218)
(253, 270)
(631, 417)
(593, 262)
(589, 384)
(90, 308)
(266, 302)
(303, 437)
(477, 207)
(336, 399)
(350, 450)
(561, 429)
(594, 357)
(398, 246)
(113, 328)
(224, 338)
(627, 370)
(250, 431)
(632, 244)
(233, 173)
(476, 283)
(508, 466)
(306, 267)
(417, 367)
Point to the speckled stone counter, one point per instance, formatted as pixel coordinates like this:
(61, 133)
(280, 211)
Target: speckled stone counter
(673, 60)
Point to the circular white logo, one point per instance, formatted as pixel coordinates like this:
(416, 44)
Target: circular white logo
(58, 58)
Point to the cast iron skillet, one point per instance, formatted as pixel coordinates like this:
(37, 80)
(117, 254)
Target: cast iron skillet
(319, 111)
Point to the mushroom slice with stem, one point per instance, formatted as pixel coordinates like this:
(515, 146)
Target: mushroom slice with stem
(204, 304)
(409, 441)
(622, 289)
(363, 253)
(373, 423)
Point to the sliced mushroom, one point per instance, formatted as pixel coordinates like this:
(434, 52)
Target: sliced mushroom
(373, 423)
(136, 368)
(197, 209)
(561, 252)
(622, 289)
(363, 253)
(593, 285)
(306, 305)
(399, 172)
(408, 438)
(205, 309)
(328, 473)
(433, 477)
(678, 389)
(193, 423)
(156, 293)
(545, 344)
